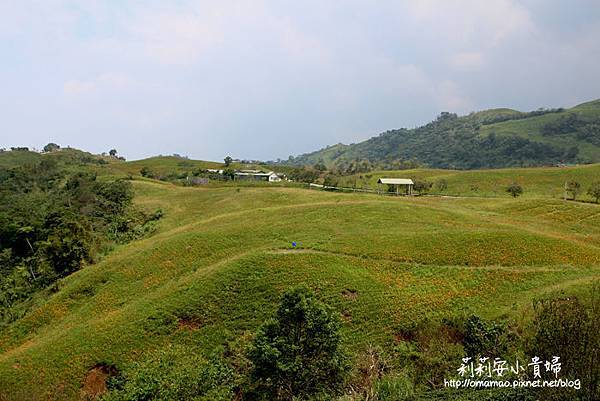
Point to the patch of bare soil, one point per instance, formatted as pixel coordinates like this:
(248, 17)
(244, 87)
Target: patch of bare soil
(188, 324)
(350, 294)
(95, 381)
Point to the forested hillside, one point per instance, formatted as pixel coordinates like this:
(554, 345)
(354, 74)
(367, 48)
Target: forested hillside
(56, 216)
(487, 139)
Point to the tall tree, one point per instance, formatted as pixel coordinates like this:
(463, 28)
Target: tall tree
(297, 354)
(51, 147)
(594, 191)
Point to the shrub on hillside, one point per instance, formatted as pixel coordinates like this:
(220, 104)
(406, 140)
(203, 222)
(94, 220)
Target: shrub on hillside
(594, 191)
(484, 338)
(173, 373)
(573, 188)
(441, 185)
(570, 329)
(515, 190)
(422, 187)
(298, 354)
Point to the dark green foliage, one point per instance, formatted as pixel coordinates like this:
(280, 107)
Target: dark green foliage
(505, 394)
(484, 338)
(305, 174)
(594, 191)
(320, 166)
(590, 133)
(331, 180)
(570, 329)
(145, 172)
(441, 185)
(53, 222)
(229, 173)
(173, 373)
(67, 244)
(228, 160)
(471, 142)
(422, 187)
(51, 147)
(298, 353)
(585, 129)
(573, 187)
(514, 189)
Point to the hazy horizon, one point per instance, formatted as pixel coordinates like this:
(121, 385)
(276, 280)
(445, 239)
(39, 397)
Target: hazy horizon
(264, 80)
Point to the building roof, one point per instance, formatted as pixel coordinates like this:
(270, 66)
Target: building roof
(395, 181)
(255, 173)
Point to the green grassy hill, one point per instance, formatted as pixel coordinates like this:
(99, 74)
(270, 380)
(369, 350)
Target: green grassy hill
(491, 138)
(173, 165)
(545, 182)
(164, 165)
(222, 256)
(65, 156)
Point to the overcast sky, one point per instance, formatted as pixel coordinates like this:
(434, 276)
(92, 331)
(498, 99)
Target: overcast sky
(266, 79)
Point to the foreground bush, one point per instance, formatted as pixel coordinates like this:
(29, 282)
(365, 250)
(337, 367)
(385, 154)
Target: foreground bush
(173, 373)
(570, 328)
(298, 354)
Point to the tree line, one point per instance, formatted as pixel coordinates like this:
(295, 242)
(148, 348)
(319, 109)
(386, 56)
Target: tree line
(53, 221)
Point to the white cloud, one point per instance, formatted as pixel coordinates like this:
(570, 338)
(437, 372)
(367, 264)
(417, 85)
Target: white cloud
(465, 23)
(105, 82)
(177, 38)
(467, 60)
(450, 97)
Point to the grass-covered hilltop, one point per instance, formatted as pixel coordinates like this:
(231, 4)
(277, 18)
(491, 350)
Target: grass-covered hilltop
(491, 138)
(133, 281)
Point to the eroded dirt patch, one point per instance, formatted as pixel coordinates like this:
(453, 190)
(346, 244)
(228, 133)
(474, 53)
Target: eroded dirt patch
(350, 294)
(95, 381)
(188, 324)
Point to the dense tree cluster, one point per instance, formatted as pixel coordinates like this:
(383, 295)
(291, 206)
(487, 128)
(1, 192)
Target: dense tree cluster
(458, 142)
(584, 128)
(53, 221)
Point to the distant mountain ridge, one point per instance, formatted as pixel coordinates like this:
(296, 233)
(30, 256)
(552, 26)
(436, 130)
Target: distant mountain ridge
(491, 138)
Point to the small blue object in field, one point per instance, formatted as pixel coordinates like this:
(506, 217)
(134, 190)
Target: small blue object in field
(294, 244)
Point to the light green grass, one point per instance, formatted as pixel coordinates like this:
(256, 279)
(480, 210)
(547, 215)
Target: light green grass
(164, 165)
(537, 182)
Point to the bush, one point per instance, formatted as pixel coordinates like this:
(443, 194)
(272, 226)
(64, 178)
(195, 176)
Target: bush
(173, 373)
(484, 338)
(569, 328)
(422, 187)
(394, 388)
(594, 191)
(514, 189)
(298, 353)
(145, 172)
(441, 185)
(573, 187)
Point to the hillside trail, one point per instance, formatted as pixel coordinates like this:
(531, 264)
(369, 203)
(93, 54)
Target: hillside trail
(518, 269)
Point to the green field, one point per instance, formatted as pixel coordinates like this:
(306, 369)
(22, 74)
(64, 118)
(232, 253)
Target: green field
(222, 256)
(537, 182)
